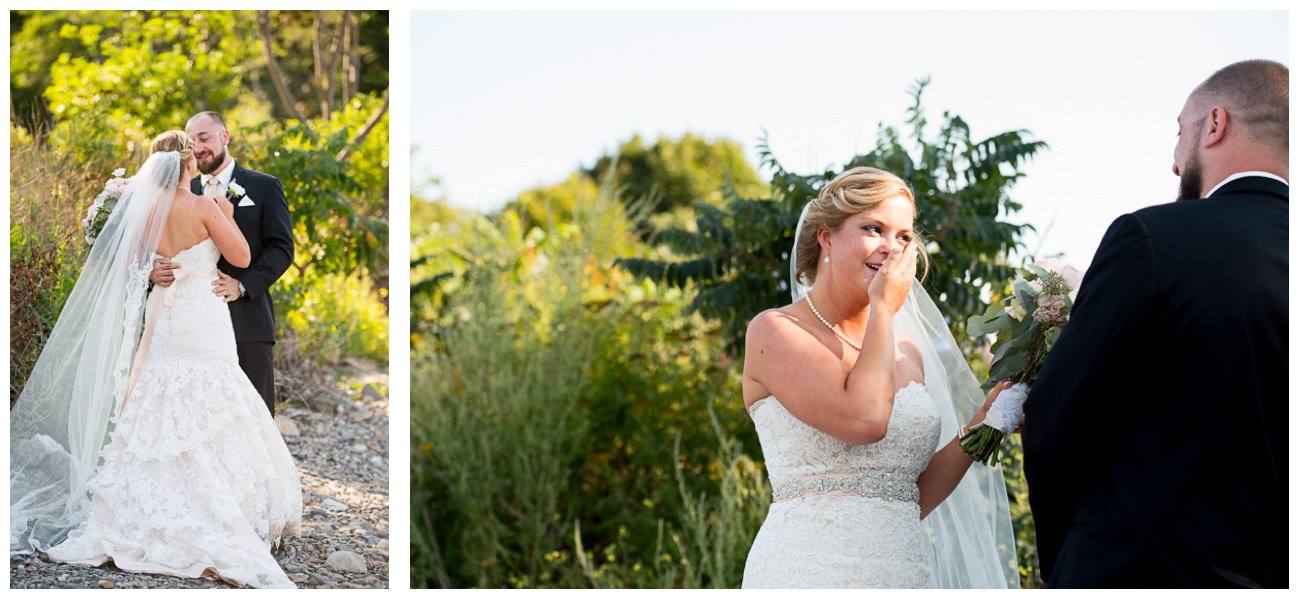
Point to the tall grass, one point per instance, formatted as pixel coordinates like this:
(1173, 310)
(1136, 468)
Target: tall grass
(563, 426)
(50, 190)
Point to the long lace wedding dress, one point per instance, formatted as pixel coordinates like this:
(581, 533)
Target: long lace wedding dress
(844, 515)
(195, 477)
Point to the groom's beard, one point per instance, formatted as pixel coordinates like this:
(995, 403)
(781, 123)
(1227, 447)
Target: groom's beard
(208, 166)
(1189, 179)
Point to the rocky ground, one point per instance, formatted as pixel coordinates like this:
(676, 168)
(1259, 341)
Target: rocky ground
(342, 454)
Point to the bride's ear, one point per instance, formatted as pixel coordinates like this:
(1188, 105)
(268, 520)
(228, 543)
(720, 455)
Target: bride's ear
(824, 240)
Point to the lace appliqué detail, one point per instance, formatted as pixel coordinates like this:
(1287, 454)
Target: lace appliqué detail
(195, 474)
(844, 540)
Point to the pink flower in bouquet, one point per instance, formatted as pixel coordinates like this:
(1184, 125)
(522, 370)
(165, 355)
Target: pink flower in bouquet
(117, 185)
(1049, 312)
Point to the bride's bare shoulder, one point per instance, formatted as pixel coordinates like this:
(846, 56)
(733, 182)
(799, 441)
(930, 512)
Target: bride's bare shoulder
(201, 204)
(775, 322)
(903, 338)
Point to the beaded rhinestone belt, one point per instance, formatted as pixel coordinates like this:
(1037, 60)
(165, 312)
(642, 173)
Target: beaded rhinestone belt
(875, 484)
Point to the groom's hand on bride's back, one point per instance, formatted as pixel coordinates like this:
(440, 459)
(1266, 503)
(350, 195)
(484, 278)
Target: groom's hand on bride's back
(162, 272)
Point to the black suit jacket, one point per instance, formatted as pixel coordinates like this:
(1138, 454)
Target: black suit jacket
(1156, 434)
(269, 230)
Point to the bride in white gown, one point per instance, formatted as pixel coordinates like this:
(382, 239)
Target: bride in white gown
(195, 479)
(856, 390)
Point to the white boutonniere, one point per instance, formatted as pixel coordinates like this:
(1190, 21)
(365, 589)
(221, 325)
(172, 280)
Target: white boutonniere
(234, 191)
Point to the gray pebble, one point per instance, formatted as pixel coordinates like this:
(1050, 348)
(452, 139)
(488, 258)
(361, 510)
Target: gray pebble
(334, 505)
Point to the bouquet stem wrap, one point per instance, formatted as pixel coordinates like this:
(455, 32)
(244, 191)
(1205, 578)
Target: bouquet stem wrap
(983, 442)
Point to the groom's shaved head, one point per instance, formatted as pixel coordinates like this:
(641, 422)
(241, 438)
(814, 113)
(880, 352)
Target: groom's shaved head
(1256, 92)
(216, 118)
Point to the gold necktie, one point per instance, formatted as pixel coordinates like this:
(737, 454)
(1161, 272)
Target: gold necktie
(211, 185)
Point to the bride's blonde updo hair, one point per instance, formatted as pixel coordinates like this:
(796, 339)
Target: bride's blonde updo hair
(855, 191)
(174, 141)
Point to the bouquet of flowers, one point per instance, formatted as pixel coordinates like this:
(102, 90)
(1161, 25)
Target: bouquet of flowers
(1027, 324)
(104, 204)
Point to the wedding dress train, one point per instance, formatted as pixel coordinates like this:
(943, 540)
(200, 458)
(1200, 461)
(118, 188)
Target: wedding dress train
(844, 515)
(195, 476)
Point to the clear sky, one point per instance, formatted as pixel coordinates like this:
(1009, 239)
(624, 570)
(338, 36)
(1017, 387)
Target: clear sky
(502, 101)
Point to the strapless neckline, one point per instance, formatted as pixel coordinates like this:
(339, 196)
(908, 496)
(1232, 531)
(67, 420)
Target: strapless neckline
(195, 245)
(753, 407)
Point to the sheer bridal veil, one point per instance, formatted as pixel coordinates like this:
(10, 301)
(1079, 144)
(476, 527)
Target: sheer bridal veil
(971, 541)
(64, 415)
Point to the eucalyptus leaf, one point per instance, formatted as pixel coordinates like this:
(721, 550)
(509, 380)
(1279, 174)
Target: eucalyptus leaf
(1022, 287)
(1001, 352)
(1037, 270)
(1025, 325)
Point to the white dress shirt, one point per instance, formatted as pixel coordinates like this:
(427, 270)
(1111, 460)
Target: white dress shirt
(1235, 176)
(223, 180)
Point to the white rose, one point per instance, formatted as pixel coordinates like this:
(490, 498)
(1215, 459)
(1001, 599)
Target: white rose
(119, 172)
(237, 189)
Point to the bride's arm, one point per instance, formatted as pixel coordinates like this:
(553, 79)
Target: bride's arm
(814, 385)
(949, 464)
(218, 215)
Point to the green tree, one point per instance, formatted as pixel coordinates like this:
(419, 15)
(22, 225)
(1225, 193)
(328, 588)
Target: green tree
(339, 215)
(738, 255)
(677, 173)
(317, 61)
(137, 73)
(544, 206)
(104, 60)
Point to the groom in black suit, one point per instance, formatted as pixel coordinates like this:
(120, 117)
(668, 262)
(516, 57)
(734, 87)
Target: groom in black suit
(262, 214)
(1156, 434)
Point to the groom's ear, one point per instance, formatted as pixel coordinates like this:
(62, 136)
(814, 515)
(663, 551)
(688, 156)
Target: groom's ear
(1216, 127)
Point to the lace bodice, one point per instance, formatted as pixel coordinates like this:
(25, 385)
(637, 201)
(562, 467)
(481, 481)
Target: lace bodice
(202, 256)
(792, 448)
(196, 313)
(842, 539)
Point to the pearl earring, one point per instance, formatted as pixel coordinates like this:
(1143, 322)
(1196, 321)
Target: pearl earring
(827, 259)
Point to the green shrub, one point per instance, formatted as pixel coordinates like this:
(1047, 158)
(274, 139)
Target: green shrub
(333, 315)
(535, 356)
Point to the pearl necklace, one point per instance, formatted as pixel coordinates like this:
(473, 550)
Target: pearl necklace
(829, 326)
